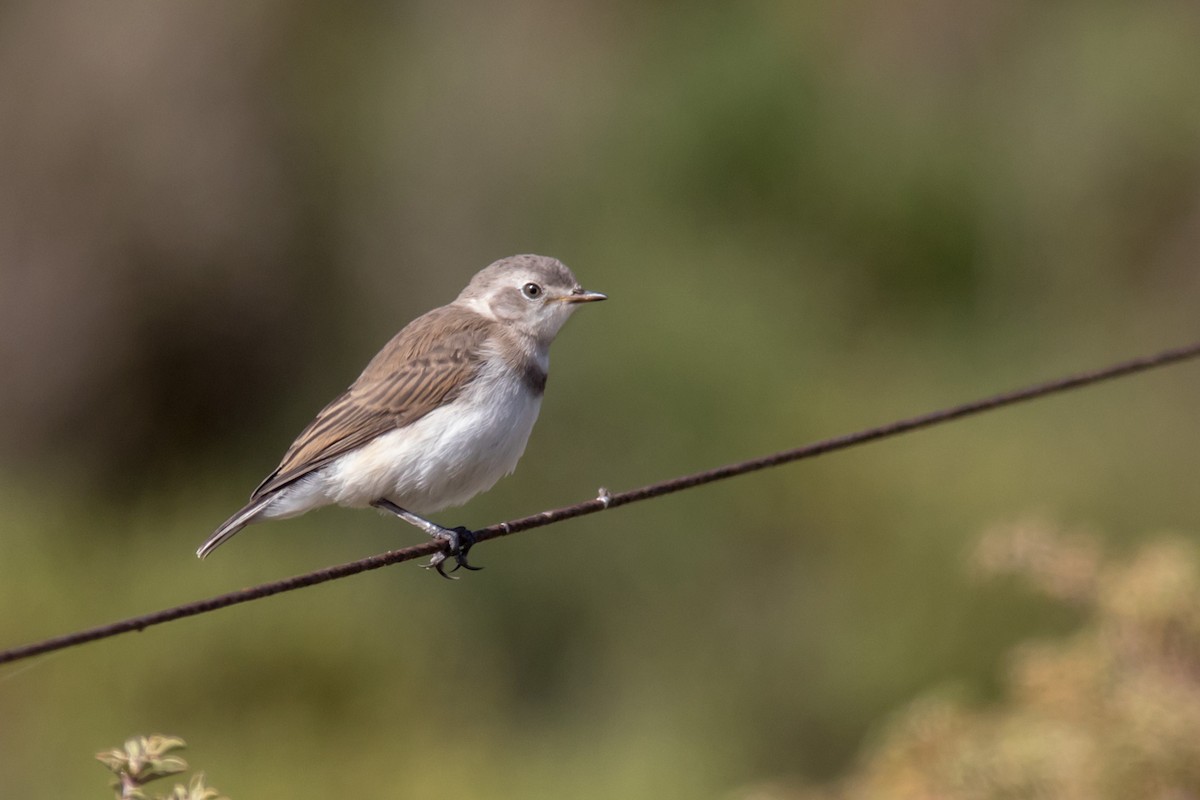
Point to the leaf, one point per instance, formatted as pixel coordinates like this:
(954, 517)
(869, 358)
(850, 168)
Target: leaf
(115, 760)
(161, 768)
(195, 790)
(157, 745)
(144, 758)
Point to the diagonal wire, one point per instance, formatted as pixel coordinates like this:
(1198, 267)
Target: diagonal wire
(607, 501)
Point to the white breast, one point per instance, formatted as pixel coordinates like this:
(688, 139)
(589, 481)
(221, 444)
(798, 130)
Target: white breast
(446, 457)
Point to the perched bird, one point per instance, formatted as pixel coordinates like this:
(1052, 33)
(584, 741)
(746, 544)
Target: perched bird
(439, 415)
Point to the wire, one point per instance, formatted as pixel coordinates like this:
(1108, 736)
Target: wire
(607, 501)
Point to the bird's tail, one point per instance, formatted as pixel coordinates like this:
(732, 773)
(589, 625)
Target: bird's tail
(232, 525)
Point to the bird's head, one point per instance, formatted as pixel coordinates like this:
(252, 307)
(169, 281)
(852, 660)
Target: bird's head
(534, 295)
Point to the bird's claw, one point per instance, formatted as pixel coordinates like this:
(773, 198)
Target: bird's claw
(459, 541)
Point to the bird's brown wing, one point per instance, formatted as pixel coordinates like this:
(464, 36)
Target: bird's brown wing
(425, 365)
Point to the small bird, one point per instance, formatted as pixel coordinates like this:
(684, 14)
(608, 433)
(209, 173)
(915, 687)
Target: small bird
(439, 415)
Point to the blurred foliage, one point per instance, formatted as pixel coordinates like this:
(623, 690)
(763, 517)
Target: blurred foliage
(809, 217)
(1107, 712)
(145, 759)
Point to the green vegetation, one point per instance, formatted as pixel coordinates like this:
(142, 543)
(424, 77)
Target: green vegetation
(1109, 711)
(145, 759)
(810, 218)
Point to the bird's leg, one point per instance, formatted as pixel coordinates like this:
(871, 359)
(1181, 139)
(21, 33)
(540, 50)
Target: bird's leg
(459, 540)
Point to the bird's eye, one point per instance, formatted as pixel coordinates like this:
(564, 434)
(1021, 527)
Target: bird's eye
(531, 291)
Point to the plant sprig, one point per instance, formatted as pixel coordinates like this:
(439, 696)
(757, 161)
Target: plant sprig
(149, 758)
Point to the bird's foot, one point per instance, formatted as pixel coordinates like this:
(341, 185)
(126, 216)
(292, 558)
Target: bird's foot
(458, 542)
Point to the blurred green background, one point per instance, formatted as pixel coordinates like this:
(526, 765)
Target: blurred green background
(809, 217)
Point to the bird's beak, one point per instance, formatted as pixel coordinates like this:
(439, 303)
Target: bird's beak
(583, 296)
